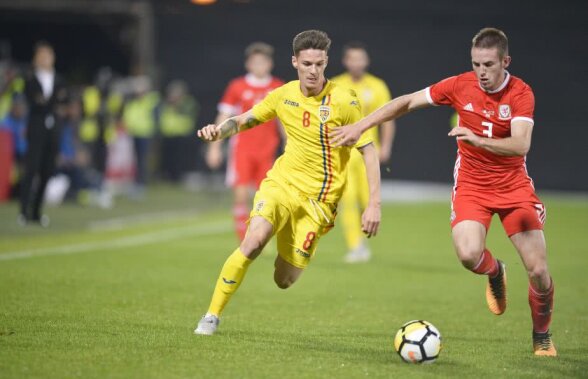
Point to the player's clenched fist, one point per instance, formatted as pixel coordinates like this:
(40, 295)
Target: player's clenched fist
(210, 132)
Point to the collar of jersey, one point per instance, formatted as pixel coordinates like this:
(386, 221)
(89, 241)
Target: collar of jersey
(502, 86)
(256, 82)
(318, 97)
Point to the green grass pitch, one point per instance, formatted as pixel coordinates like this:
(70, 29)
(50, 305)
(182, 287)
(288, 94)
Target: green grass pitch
(116, 294)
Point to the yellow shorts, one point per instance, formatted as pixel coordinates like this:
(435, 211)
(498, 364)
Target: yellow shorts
(299, 222)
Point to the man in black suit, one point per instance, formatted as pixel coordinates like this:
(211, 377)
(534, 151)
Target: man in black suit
(45, 94)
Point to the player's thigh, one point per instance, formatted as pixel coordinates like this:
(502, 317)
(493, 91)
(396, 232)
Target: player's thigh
(470, 221)
(240, 168)
(259, 232)
(469, 240)
(271, 205)
(241, 194)
(532, 249)
(524, 216)
(285, 274)
(468, 205)
(263, 164)
(298, 240)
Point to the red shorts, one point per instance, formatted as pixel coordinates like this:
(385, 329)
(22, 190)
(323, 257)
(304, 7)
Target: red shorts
(519, 210)
(247, 167)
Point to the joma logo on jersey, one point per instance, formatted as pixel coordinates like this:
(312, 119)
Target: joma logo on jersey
(504, 111)
(259, 206)
(303, 253)
(324, 113)
(290, 102)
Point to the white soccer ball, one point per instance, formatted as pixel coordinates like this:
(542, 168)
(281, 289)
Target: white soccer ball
(418, 341)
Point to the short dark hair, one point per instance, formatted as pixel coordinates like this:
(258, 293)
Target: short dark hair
(354, 45)
(259, 48)
(311, 39)
(42, 44)
(488, 38)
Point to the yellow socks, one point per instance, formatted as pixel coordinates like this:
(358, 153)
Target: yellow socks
(228, 281)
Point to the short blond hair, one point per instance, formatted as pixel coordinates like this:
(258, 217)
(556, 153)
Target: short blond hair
(259, 48)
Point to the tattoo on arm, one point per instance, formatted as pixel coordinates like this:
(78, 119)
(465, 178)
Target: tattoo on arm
(229, 128)
(250, 123)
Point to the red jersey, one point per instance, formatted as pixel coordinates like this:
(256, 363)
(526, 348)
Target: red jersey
(240, 96)
(488, 114)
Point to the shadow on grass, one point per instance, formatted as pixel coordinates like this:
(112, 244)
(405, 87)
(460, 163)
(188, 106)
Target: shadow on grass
(365, 348)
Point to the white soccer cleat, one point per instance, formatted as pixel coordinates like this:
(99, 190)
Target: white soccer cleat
(358, 255)
(207, 325)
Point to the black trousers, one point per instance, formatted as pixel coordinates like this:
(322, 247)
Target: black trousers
(173, 157)
(39, 165)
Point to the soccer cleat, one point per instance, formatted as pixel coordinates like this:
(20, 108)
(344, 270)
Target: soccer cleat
(496, 291)
(207, 325)
(543, 345)
(358, 255)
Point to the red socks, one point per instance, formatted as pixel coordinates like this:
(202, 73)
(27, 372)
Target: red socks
(488, 265)
(240, 216)
(541, 304)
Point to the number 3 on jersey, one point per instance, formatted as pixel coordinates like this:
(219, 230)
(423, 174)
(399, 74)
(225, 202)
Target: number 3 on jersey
(306, 119)
(488, 131)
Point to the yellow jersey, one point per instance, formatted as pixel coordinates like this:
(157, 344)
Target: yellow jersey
(309, 163)
(372, 92)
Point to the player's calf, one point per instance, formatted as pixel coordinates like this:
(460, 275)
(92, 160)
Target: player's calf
(285, 274)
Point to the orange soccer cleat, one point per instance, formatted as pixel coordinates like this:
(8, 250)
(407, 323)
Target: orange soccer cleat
(543, 345)
(496, 291)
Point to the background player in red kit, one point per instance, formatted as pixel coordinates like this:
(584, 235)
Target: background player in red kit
(493, 136)
(252, 153)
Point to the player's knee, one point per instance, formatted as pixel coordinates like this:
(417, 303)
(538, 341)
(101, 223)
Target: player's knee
(538, 273)
(252, 245)
(283, 283)
(469, 254)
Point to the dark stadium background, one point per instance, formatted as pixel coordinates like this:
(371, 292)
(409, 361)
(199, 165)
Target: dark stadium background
(412, 45)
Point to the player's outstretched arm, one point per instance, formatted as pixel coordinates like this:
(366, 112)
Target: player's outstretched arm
(228, 128)
(370, 220)
(214, 153)
(349, 135)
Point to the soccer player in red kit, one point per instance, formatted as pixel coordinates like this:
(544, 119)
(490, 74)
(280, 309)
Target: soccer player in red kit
(493, 137)
(252, 153)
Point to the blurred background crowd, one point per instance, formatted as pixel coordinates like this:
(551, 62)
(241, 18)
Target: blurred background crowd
(112, 135)
(134, 78)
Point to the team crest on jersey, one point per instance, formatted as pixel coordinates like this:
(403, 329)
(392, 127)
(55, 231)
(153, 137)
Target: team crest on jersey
(504, 111)
(324, 113)
(259, 205)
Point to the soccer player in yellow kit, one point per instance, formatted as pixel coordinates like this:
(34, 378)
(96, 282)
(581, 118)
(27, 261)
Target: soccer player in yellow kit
(373, 93)
(297, 200)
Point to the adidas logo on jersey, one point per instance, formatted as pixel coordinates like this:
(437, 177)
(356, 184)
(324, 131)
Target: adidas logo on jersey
(469, 107)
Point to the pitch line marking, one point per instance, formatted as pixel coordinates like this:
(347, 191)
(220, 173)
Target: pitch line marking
(136, 240)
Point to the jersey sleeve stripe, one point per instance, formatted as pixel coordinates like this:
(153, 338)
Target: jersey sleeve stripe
(227, 109)
(521, 118)
(429, 98)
